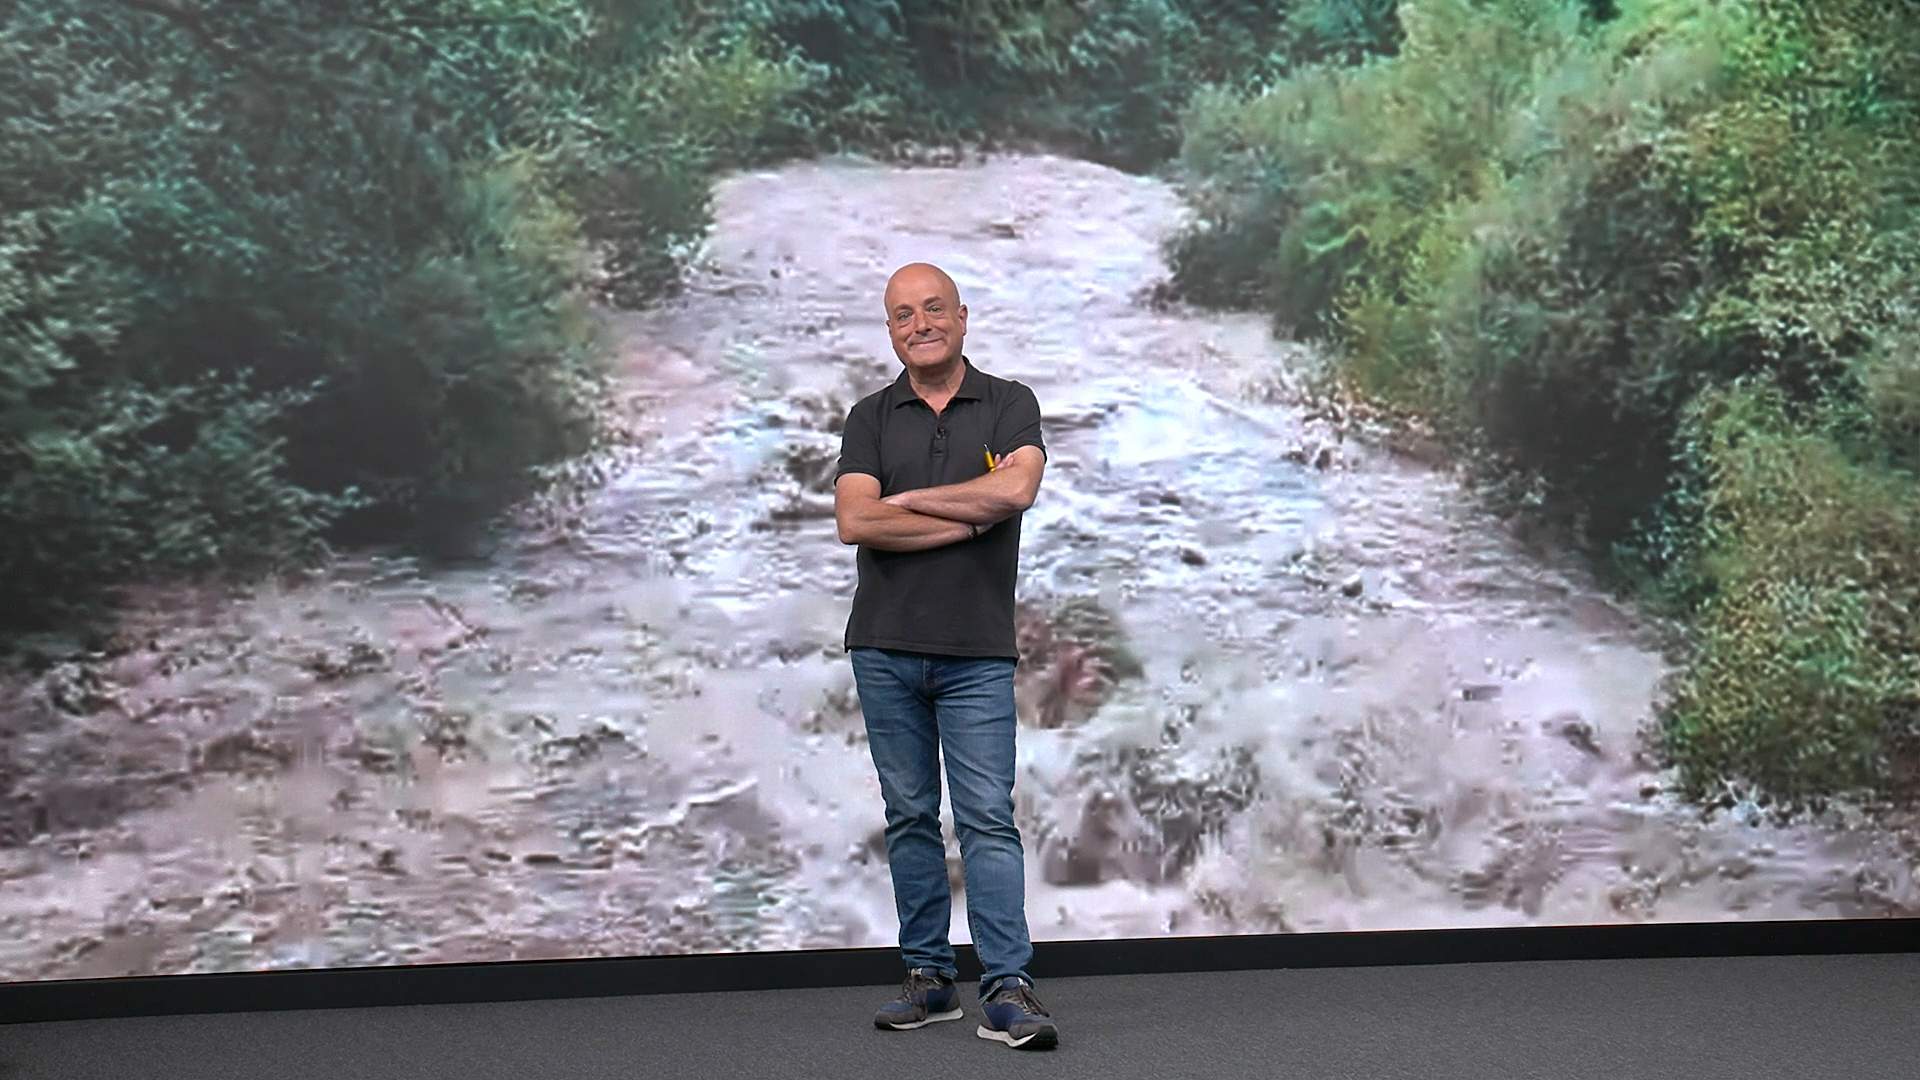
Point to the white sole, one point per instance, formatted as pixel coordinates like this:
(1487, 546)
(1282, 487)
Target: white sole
(986, 1032)
(932, 1018)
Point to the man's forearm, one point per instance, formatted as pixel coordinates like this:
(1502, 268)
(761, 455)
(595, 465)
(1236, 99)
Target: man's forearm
(984, 500)
(894, 528)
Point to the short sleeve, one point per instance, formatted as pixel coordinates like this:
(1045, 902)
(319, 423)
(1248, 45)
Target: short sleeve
(1018, 424)
(859, 444)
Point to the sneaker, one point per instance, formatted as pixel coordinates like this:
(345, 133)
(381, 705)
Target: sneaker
(925, 997)
(1016, 1017)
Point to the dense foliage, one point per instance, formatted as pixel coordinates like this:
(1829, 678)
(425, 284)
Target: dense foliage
(272, 276)
(277, 274)
(1659, 259)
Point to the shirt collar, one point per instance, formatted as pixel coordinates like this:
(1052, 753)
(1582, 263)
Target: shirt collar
(972, 385)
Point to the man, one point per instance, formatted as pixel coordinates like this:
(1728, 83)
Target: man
(934, 473)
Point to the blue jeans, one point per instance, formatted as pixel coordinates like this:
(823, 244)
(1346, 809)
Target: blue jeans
(918, 706)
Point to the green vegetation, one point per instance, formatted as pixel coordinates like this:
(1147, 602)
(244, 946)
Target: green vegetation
(276, 276)
(272, 278)
(1806, 674)
(1106, 81)
(1658, 260)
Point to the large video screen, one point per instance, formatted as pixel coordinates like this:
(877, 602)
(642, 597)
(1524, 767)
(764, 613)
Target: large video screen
(1481, 483)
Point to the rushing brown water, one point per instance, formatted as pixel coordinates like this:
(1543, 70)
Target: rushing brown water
(1275, 680)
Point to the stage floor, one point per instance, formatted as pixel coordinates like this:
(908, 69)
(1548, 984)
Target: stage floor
(1737, 1018)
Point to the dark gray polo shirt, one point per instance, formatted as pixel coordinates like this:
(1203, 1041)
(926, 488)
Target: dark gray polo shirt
(955, 600)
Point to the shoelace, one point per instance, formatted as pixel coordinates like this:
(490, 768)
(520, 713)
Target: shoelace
(1022, 996)
(917, 980)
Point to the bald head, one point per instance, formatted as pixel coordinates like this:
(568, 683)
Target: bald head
(925, 318)
(919, 278)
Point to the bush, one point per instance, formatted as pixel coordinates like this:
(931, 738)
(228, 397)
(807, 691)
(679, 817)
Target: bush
(1556, 246)
(474, 361)
(1331, 183)
(631, 108)
(1107, 81)
(1564, 249)
(1890, 377)
(272, 280)
(1807, 678)
(1341, 31)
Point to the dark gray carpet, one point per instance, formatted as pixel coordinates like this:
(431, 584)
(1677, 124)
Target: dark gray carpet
(1739, 1019)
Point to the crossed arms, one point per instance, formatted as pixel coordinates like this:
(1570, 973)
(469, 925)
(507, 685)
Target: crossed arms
(936, 516)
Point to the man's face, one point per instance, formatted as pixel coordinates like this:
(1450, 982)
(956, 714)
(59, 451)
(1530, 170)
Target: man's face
(926, 319)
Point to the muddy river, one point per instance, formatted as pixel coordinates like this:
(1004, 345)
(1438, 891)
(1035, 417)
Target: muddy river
(1275, 679)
